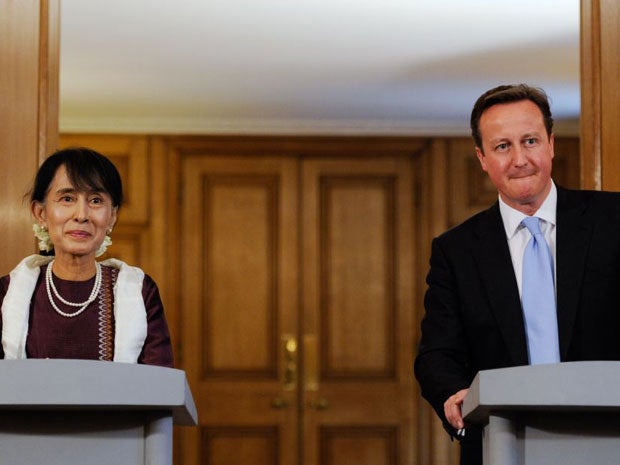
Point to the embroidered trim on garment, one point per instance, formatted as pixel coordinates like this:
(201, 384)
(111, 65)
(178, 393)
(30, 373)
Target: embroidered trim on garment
(129, 311)
(106, 334)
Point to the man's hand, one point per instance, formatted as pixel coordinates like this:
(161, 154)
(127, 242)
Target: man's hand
(452, 409)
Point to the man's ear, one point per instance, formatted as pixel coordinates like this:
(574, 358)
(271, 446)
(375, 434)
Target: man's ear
(481, 159)
(551, 142)
(38, 212)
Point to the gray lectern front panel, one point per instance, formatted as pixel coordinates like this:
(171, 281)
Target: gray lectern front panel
(75, 438)
(557, 414)
(84, 412)
(569, 439)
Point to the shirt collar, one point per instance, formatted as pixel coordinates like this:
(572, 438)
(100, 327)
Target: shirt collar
(512, 218)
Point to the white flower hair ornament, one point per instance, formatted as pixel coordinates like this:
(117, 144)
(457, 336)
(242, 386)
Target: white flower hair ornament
(40, 232)
(45, 243)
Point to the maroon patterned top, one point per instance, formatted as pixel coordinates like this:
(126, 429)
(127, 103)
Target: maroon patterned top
(89, 335)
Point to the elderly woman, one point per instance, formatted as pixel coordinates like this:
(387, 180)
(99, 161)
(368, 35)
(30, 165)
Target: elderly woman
(65, 304)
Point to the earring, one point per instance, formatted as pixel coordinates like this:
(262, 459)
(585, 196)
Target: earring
(40, 232)
(109, 231)
(107, 242)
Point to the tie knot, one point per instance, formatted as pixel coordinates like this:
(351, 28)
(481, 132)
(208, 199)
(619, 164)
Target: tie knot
(532, 223)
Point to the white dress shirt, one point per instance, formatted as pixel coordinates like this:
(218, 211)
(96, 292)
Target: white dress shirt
(518, 236)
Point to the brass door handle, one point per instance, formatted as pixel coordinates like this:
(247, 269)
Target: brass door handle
(290, 363)
(319, 404)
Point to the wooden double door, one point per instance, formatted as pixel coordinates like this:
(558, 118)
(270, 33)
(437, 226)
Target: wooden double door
(297, 318)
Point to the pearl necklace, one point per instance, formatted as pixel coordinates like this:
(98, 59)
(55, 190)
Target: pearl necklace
(49, 285)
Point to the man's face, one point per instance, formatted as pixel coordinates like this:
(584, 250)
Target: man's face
(517, 153)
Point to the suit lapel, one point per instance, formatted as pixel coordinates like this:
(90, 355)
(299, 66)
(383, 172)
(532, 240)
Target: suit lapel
(572, 238)
(492, 256)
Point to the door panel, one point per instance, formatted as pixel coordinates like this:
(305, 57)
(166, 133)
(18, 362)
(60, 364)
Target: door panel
(356, 246)
(239, 225)
(233, 446)
(361, 446)
(240, 305)
(358, 400)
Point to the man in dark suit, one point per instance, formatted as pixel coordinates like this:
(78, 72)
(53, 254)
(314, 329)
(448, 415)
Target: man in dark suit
(474, 316)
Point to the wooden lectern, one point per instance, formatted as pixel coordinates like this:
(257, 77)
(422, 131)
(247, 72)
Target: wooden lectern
(564, 414)
(86, 412)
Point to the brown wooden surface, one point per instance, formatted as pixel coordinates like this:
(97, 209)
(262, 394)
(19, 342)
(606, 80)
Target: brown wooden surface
(240, 302)
(49, 70)
(358, 402)
(600, 97)
(590, 122)
(610, 100)
(433, 178)
(28, 113)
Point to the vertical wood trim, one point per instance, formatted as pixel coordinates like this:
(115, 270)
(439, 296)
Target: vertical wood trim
(590, 145)
(28, 104)
(49, 58)
(433, 207)
(422, 174)
(600, 112)
(610, 99)
(438, 202)
(169, 158)
(159, 243)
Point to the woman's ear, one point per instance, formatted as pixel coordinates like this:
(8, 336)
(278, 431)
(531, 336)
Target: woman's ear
(114, 217)
(38, 212)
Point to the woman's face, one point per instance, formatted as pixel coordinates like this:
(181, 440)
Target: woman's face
(77, 222)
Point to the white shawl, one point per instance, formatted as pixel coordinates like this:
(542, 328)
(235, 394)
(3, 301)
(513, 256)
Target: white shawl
(129, 310)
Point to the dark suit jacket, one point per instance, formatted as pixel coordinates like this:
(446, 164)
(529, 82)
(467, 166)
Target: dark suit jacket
(473, 317)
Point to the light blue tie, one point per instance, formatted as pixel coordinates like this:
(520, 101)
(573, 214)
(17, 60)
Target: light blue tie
(538, 298)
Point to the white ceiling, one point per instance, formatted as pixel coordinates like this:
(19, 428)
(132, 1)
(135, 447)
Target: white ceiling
(308, 66)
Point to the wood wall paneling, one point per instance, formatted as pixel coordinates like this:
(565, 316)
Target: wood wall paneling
(28, 113)
(600, 97)
(566, 164)
(434, 213)
(591, 94)
(610, 100)
(49, 72)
